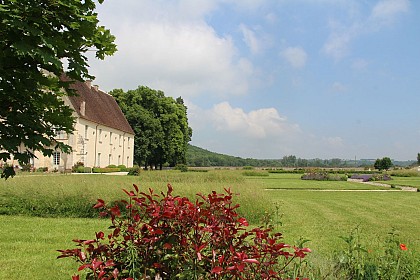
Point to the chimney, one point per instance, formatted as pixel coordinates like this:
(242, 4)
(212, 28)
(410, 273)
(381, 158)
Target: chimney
(95, 87)
(83, 108)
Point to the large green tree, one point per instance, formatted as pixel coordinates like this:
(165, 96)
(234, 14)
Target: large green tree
(160, 124)
(39, 40)
(383, 164)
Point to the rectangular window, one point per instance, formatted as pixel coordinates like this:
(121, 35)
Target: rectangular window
(100, 136)
(86, 131)
(119, 159)
(110, 138)
(128, 159)
(98, 160)
(60, 134)
(56, 158)
(109, 159)
(128, 144)
(119, 140)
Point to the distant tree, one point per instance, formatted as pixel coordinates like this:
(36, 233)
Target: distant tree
(38, 36)
(302, 162)
(383, 164)
(160, 124)
(289, 161)
(386, 163)
(418, 158)
(377, 164)
(335, 162)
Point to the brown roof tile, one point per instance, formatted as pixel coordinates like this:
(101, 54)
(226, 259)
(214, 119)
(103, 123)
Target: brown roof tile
(100, 107)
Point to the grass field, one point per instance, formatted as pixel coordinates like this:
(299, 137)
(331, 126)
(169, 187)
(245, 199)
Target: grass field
(318, 211)
(406, 181)
(28, 245)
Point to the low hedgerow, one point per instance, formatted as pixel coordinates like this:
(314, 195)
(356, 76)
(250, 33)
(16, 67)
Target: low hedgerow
(255, 173)
(105, 170)
(42, 169)
(82, 169)
(122, 168)
(380, 177)
(323, 176)
(371, 177)
(248, 167)
(282, 171)
(134, 171)
(170, 237)
(181, 167)
(197, 170)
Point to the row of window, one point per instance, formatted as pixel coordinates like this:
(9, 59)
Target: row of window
(98, 160)
(57, 157)
(120, 138)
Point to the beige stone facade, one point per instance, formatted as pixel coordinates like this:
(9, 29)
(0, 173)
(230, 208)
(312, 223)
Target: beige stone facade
(101, 137)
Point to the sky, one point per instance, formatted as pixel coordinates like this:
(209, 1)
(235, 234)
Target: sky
(265, 79)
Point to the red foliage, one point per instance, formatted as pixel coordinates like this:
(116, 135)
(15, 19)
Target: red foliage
(171, 236)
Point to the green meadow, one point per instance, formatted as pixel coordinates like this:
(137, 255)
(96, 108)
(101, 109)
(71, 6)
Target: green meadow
(41, 214)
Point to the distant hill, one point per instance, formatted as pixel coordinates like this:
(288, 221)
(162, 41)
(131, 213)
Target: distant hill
(199, 157)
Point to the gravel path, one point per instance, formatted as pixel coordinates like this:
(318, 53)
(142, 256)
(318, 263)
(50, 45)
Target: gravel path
(403, 188)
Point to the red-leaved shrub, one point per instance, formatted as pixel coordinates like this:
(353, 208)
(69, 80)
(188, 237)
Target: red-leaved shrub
(169, 237)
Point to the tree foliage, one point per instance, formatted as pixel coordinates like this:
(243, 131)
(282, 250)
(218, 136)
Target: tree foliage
(198, 157)
(160, 124)
(418, 158)
(39, 37)
(383, 164)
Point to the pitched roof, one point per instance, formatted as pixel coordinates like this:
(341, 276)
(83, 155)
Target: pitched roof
(98, 107)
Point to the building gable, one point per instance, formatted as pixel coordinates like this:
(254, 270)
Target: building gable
(96, 106)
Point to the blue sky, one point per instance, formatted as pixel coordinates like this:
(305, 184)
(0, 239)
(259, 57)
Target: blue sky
(264, 79)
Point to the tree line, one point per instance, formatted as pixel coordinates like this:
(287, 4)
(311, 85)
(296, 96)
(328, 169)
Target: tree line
(198, 157)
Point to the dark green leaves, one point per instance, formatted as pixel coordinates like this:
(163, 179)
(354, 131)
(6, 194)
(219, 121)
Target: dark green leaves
(38, 35)
(160, 124)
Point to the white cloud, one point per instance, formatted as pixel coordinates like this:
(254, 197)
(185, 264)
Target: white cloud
(248, 5)
(386, 10)
(261, 123)
(341, 36)
(176, 54)
(335, 142)
(295, 56)
(337, 45)
(260, 133)
(271, 18)
(250, 39)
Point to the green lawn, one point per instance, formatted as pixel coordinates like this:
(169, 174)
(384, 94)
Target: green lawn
(405, 181)
(28, 246)
(324, 216)
(293, 182)
(318, 211)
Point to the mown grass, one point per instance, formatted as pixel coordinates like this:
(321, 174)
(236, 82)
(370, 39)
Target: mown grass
(324, 216)
(318, 211)
(293, 182)
(405, 181)
(28, 246)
